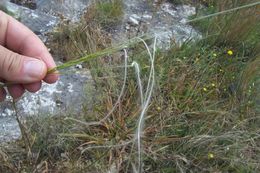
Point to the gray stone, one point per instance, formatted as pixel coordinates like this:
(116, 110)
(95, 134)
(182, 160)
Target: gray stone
(67, 95)
(27, 3)
(9, 129)
(47, 14)
(134, 20)
(39, 22)
(168, 22)
(79, 66)
(69, 9)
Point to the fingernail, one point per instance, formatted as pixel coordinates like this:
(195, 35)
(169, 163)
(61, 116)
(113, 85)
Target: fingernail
(34, 70)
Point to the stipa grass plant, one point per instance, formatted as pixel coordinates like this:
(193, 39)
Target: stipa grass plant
(202, 122)
(196, 121)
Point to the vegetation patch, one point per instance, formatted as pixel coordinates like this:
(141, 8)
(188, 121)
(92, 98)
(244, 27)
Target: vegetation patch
(106, 13)
(203, 116)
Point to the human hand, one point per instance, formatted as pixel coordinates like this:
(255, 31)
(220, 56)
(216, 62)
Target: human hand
(24, 60)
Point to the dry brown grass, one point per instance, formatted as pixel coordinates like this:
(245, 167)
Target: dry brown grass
(72, 42)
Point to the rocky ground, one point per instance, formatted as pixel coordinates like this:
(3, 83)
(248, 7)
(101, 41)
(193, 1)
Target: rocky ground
(164, 20)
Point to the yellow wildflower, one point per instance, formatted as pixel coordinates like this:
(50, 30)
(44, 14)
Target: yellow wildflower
(230, 52)
(213, 84)
(214, 54)
(210, 156)
(205, 89)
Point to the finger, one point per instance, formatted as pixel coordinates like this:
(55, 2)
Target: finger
(39, 52)
(20, 39)
(33, 87)
(20, 69)
(2, 94)
(16, 91)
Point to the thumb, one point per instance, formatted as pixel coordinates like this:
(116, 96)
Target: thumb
(19, 68)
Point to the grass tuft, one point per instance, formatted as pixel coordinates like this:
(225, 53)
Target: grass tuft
(203, 115)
